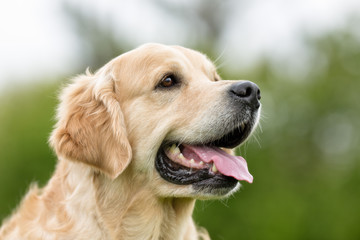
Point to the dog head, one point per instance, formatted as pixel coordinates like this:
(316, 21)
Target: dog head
(163, 112)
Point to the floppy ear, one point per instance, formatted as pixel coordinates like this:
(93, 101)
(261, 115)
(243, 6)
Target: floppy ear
(91, 127)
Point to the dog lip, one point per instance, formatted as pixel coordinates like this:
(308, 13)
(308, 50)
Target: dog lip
(234, 137)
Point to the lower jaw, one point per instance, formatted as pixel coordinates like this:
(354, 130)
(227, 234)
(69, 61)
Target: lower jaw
(215, 186)
(206, 193)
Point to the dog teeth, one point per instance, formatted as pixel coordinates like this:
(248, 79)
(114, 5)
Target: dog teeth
(174, 150)
(181, 156)
(214, 169)
(176, 154)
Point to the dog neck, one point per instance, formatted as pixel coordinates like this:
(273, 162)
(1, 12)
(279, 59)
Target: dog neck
(123, 208)
(131, 210)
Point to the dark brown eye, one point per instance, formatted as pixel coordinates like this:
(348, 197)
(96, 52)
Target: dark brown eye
(168, 81)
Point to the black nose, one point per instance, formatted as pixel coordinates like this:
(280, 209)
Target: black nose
(246, 91)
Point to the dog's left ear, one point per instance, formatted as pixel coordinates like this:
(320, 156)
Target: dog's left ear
(91, 127)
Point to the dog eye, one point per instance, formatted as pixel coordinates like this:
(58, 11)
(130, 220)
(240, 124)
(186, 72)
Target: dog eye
(168, 81)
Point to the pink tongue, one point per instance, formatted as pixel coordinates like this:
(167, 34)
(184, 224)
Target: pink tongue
(233, 166)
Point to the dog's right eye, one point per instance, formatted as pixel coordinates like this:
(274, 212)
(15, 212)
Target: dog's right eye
(168, 81)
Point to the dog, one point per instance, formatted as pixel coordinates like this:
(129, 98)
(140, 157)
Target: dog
(137, 142)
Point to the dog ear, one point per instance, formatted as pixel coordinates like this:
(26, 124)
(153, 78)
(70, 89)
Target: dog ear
(91, 127)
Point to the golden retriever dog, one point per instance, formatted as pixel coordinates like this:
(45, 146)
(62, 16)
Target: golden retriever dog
(137, 142)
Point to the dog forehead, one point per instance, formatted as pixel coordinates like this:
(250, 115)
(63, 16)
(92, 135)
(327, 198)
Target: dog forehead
(142, 67)
(158, 54)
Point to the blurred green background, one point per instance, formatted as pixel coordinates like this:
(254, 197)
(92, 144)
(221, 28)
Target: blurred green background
(304, 158)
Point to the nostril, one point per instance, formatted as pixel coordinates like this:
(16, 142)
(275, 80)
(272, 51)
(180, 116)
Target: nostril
(258, 94)
(246, 91)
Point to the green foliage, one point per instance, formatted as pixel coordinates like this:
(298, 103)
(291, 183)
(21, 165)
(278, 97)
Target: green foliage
(26, 120)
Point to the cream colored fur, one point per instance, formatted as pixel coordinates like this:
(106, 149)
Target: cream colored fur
(110, 126)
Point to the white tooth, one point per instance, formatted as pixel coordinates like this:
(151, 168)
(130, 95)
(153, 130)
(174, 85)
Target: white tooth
(174, 150)
(192, 161)
(201, 163)
(214, 169)
(181, 156)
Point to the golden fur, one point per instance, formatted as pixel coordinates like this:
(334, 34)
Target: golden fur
(110, 126)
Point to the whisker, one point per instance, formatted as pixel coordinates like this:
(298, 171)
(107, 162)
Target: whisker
(220, 56)
(221, 65)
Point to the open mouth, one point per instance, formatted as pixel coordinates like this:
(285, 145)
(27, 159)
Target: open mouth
(205, 165)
